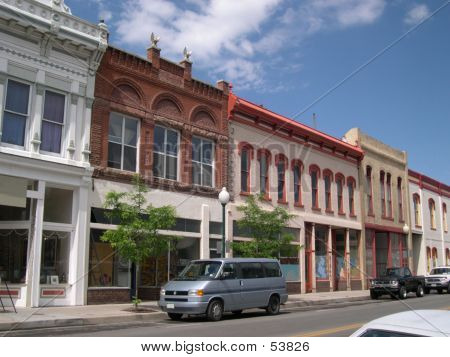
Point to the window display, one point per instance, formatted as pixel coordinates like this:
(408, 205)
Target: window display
(55, 257)
(13, 255)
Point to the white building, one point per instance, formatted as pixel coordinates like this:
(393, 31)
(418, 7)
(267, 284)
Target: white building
(429, 202)
(48, 62)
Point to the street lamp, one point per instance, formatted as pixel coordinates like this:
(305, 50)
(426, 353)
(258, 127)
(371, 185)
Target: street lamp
(405, 229)
(224, 198)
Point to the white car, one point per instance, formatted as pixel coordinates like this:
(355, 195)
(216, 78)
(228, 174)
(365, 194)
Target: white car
(438, 279)
(425, 323)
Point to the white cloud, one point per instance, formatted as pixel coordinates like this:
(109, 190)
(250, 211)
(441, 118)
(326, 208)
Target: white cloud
(417, 14)
(235, 38)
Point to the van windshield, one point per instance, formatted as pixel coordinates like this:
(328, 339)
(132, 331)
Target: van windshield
(201, 270)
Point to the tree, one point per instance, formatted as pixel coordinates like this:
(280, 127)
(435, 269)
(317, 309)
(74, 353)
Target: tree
(137, 236)
(267, 230)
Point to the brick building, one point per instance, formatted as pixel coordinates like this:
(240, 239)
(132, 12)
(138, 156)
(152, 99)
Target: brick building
(151, 117)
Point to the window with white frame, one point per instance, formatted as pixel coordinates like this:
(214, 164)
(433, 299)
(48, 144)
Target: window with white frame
(165, 153)
(122, 145)
(202, 162)
(15, 113)
(53, 122)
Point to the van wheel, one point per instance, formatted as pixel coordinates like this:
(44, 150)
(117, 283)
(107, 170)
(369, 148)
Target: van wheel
(274, 305)
(237, 312)
(174, 316)
(215, 310)
(419, 291)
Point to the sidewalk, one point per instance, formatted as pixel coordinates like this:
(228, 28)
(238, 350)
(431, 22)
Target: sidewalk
(71, 316)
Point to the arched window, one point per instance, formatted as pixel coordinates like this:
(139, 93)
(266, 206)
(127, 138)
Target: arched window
(444, 217)
(388, 195)
(314, 172)
(246, 153)
(264, 158)
(281, 163)
(432, 207)
(400, 199)
(340, 182)
(382, 194)
(369, 191)
(434, 256)
(297, 169)
(328, 179)
(417, 210)
(351, 184)
(428, 259)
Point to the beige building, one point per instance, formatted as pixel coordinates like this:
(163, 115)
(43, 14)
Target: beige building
(383, 178)
(315, 177)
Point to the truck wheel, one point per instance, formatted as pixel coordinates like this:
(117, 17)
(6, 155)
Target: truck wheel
(402, 293)
(274, 305)
(174, 316)
(373, 295)
(215, 310)
(419, 291)
(427, 290)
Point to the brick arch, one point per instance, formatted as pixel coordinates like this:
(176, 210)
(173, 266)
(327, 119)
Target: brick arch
(203, 116)
(265, 152)
(339, 176)
(128, 92)
(314, 167)
(281, 157)
(350, 180)
(297, 162)
(167, 103)
(328, 172)
(243, 145)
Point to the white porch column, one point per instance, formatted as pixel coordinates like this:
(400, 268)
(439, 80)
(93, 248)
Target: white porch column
(302, 260)
(38, 110)
(204, 230)
(347, 258)
(3, 78)
(87, 130)
(34, 260)
(71, 133)
(313, 257)
(330, 258)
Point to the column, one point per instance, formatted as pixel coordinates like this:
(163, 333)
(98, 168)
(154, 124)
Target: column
(302, 259)
(347, 258)
(34, 265)
(313, 257)
(71, 132)
(35, 131)
(331, 269)
(204, 230)
(362, 259)
(2, 96)
(86, 151)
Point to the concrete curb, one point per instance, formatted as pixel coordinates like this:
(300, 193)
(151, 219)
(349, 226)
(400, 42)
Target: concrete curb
(303, 305)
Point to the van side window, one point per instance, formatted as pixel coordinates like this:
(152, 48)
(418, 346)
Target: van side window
(251, 270)
(272, 270)
(229, 271)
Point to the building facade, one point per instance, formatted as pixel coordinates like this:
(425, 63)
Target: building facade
(429, 200)
(153, 118)
(383, 179)
(311, 174)
(48, 61)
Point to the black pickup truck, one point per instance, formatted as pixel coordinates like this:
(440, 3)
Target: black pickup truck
(397, 282)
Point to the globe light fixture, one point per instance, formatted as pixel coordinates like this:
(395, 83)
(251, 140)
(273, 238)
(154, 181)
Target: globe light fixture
(224, 198)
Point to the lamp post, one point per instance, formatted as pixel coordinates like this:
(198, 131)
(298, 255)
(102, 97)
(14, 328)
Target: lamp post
(224, 198)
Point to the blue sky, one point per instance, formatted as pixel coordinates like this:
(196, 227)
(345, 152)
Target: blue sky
(287, 53)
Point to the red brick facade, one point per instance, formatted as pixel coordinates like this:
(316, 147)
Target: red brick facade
(157, 91)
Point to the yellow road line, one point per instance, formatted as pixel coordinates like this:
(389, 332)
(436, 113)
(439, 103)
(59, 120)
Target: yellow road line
(330, 330)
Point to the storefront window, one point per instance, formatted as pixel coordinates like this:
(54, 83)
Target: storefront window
(10, 213)
(55, 257)
(58, 205)
(290, 264)
(339, 253)
(13, 255)
(395, 250)
(106, 268)
(321, 253)
(381, 244)
(354, 255)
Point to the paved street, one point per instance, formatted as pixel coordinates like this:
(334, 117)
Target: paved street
(327, 322)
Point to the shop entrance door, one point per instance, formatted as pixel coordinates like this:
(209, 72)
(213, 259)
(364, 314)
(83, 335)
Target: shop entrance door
(338, 251)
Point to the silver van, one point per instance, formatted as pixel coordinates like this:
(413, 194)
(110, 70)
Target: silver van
(213, 286)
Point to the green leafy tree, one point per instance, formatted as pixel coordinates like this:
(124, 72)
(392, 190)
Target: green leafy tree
(137, 236)
(267, 230)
